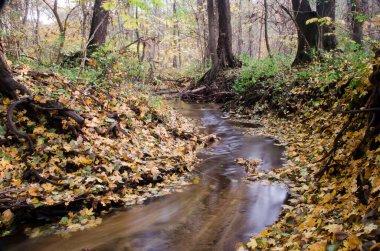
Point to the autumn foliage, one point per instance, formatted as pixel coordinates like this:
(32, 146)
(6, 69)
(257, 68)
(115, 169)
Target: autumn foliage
(131, 147)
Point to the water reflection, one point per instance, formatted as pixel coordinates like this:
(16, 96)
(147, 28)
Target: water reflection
(213, 215)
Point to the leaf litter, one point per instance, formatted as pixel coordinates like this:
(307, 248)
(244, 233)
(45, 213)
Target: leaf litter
(132, 147)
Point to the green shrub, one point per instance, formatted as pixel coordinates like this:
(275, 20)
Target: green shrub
(254, 70)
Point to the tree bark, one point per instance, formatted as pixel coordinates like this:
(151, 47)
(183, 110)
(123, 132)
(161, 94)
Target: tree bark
(99, 25)
(260, 39)
(240, 29)
(358, 7)
(175, 29)
(327, 38)
(26, 12)
(224, 49)
(307, 33)
(8, 86)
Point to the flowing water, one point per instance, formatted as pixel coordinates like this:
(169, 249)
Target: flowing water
(213, 215)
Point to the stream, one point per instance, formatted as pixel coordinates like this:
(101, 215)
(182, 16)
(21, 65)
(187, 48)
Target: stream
(219, 212)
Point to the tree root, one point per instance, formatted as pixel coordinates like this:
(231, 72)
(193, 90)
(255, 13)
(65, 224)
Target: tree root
(12, 126)
(50, 106)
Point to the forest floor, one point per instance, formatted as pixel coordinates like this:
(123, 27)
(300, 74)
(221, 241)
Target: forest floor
(334, 199)
(132, 147)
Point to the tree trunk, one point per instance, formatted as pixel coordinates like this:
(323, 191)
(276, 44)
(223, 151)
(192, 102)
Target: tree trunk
(99, 25)
(307, 33)
(240, 29)
(8, 86)
(224, 49)
(26, 12)
(175, 28)
(358, 7)
(211, 30)
(260, 39)
(328, 40)
(266, 27)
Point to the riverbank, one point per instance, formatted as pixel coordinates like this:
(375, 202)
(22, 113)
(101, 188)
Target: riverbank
(333, 175)
(131, 147)
(215, 213)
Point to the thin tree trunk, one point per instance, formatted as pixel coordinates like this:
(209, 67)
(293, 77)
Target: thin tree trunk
(175, 28)
(240, 28)
(250, 42)
(26, 12)
(138, 39)
(266, 27)
(211, 30)
(260, 39)
(327, 39)
(358, 7)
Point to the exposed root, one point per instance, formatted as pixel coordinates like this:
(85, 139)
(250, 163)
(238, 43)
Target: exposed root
(12, 127)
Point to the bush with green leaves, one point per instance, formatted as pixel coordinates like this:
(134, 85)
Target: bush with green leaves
(254, 70)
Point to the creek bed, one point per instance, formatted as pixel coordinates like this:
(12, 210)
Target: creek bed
(213, 215)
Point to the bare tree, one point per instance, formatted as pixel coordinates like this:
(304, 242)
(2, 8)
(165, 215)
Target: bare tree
(266, 27)
(62, 25)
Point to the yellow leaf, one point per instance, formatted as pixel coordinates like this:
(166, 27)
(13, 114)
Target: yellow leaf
(40, 99)
(319, 246)
(82, 160)
(39, 130)
(7, 217)
(34, 190)
(334, 228)
(252, 244)
(48, 187)
(6, 101)
(375, 184)
(196, 180)
(35, 200)
(86, 212)
(353, 242)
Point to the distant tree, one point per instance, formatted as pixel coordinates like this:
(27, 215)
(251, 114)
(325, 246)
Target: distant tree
(328, 40)
(99, 25)
(240, 41)
(266, 27)
(62, 24)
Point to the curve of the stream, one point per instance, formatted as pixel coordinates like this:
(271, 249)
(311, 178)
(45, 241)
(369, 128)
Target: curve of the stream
(213, 215)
